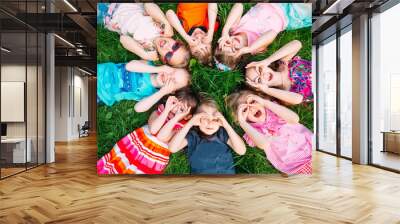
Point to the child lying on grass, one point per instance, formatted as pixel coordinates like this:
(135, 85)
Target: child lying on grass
(274, 129)
(209, 139)
(139, 81)
(257, 29)
(196, 23)
(283, 75)
(144, 31)
(145, 150)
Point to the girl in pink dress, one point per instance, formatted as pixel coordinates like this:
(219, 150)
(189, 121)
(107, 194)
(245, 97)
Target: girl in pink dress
(283, 75)
(257, 29)
(287, 144)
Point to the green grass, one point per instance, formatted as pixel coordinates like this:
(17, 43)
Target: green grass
(120, 119)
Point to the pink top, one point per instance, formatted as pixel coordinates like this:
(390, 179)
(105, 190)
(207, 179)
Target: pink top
(290, 147)
(261, 18)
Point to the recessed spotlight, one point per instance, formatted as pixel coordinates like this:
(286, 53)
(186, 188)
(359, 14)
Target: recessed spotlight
(5, 50)
(64, 40)
(70, 5)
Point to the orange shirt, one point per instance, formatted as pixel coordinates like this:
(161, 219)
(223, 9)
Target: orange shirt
(193, 15)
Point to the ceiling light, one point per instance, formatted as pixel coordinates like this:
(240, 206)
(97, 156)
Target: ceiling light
(5, 50)
(84, 71)
(70, 5)
(64, 40)
(338, 6)
(331, 7)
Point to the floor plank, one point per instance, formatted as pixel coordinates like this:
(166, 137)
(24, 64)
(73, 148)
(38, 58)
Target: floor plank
(69, 191)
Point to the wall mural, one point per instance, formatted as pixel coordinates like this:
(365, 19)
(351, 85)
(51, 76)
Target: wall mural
(204, 88)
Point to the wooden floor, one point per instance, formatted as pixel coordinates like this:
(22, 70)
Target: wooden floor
(387, 159)
(69, 191)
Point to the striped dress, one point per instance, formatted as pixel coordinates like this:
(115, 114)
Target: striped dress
(139, 152)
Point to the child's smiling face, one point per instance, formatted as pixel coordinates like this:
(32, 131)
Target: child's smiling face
(265, 76)
(255, 111)
(209, 123)
(233, 44)
(180, 78)
(198, 34)
(171, 51)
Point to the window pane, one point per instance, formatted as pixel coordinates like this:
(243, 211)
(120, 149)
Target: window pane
(31, 97)
(385, 84)
(346, 94)
(13, 86)
(327, 96)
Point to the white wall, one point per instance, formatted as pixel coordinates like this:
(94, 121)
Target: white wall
(70, 83)
(12, 73)
(33, 127)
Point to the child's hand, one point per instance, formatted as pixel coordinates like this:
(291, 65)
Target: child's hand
(151, 56)
(221, 119)
(222, 40)
(251, 99)
(172, 102)
(195, 121)
(242, 112)
(166, 69)
(168, 87)
(259, 86)
(242, 51)
(207, 39)
(183, 111)
(258, 64)
(168, 30)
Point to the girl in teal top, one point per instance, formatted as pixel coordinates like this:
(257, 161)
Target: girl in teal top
(139, 81)
(115, 83)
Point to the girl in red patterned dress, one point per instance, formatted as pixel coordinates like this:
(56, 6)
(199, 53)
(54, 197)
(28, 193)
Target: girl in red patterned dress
(145, 150)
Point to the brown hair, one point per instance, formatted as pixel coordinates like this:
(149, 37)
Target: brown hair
(189, 96)
(204, 59)
(227, 60)
(206, 100)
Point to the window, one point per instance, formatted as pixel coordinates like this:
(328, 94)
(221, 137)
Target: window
(385, 89)
(327, 96)
(346, 92)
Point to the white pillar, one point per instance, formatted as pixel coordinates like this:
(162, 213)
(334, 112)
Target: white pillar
(50, 100)
(50, 92)
(360, 90)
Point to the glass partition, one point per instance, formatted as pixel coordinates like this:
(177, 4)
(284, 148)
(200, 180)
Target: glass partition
(14, 155)
(327, 96)
(385, 89)
(22, 78)
(346, 93)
